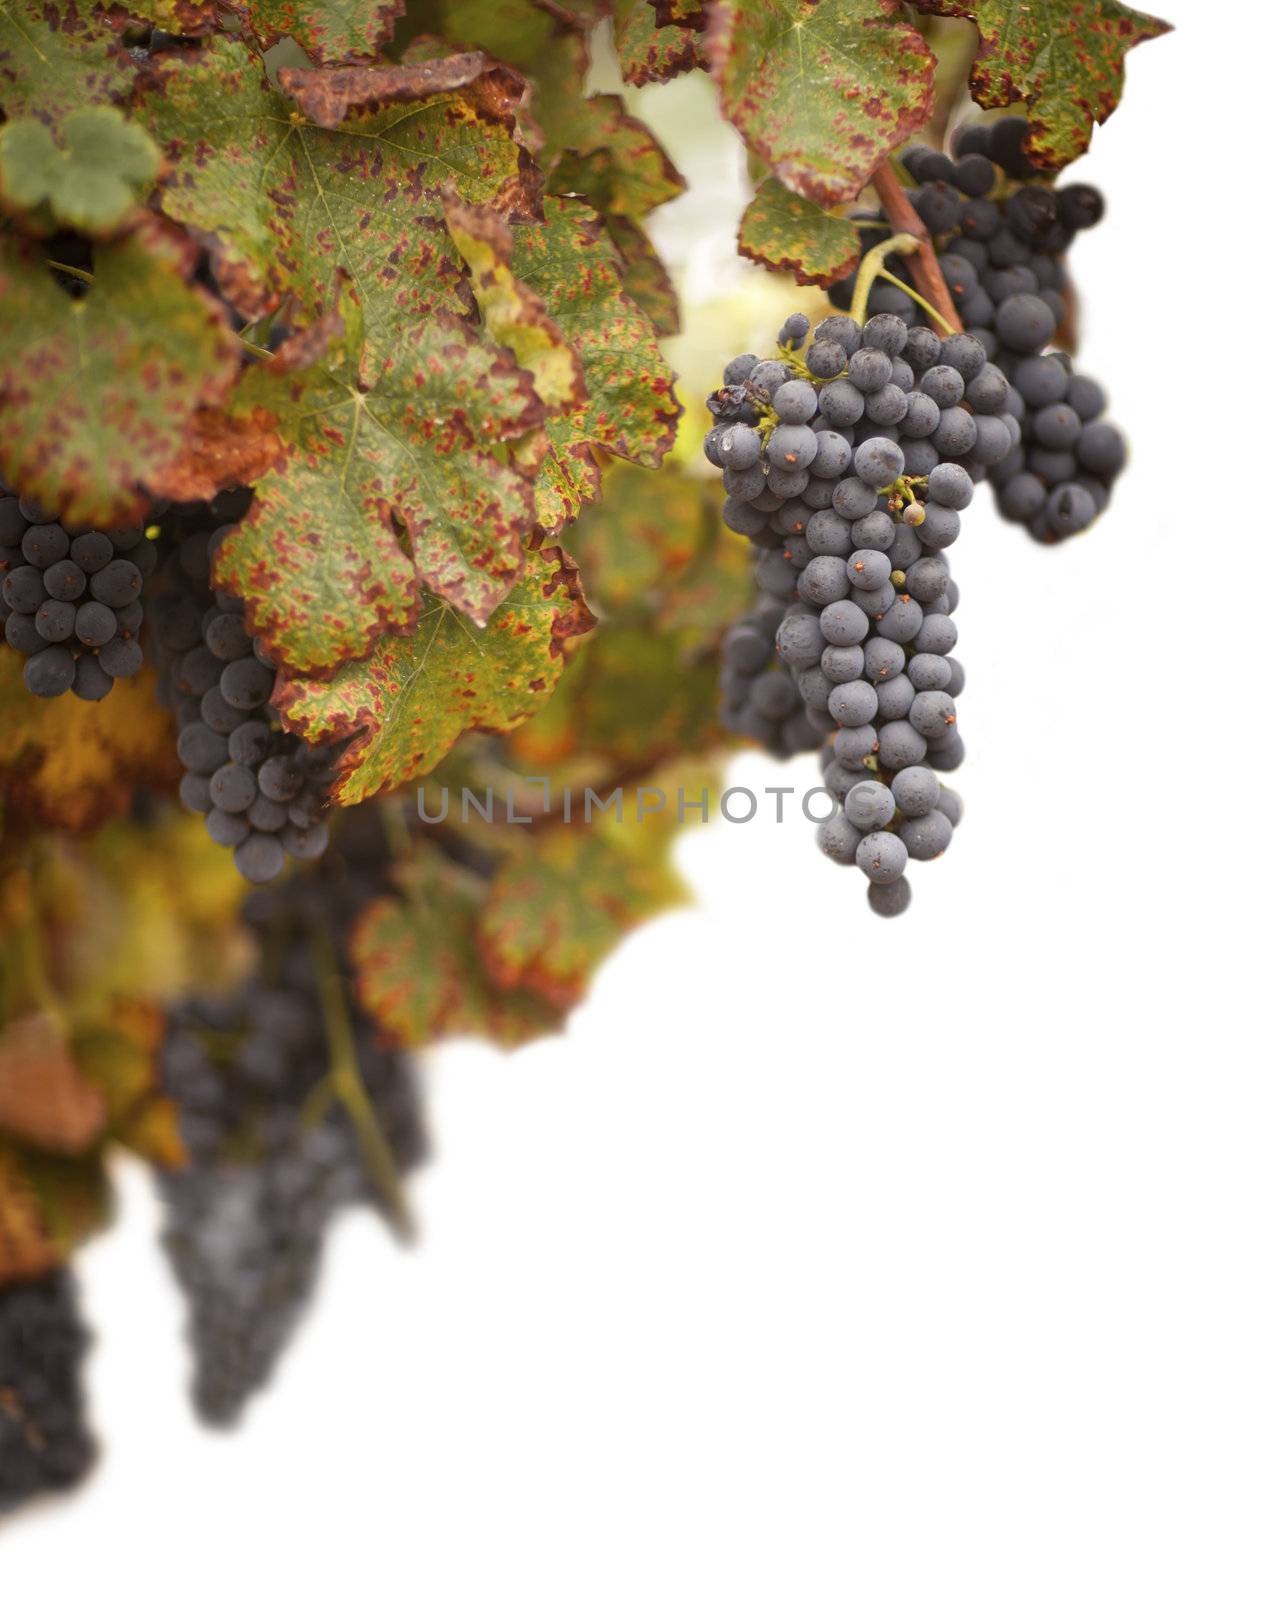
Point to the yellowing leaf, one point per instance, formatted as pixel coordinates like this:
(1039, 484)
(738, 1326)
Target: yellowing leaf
(87, 173)
(26, 1248)
(788, 233)
(513, 313)
(97, 391)
(391, 483)
(821, 90)
(404, 707)
(631, 410)
(285, 204)
(650, 52)
(418, 972)
(1067, 62)
(44, 1098)
(67, 763)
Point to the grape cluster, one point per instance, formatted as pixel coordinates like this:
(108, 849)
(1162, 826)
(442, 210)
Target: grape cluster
(71, 600)
(847, 461)
(273, 1157)
(44, 1440)
(1002, 256)
(262, 791)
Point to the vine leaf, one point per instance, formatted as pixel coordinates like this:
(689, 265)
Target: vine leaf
(512, 313)
(26, 1248)
(1067, 62)
(787, 233)
(329, 95)
(679, 13)
(650, 51)
(98, 391)
(631, 410)
(821, 90)
(283, 204)
(67, 763)
(555, 911)
(390, 484)
(590, 145)
(417, 969)
(87, 174)
(644, 275)
(56, 56)
(404, 707)
(327, 30)
(44, 1100)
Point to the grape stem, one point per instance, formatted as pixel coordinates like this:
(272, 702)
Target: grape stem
(926, 272)
(345, 1081)
(873, 267)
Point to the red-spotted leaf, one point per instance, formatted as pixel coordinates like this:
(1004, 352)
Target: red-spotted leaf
(555, 911)
(679, 13)
(821, 90)
(98, 392)
(650, 52)
(284, 204)
(513, 313)
(328, 30)
(784, 231)
(1067, 62)
(631, 410)
(328, 96)
(56, 56)
(644, 275)
(417, 969)
(406, 705)
(390, 484)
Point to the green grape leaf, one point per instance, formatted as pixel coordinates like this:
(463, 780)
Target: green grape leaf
(283, 204)
(1066, 62)
(390, 483)
(405, 706)
(186, 18)
(644, 275)
(98, 392)
(512, 313)
(787, 233)
(56, 57)
(417, 970)
(327, 30)
(648, 51)
(631, 409)
(556, 910)
(821, 90)
(87, 174)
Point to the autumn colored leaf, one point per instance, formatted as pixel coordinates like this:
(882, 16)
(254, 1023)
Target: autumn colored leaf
(57, 56)
(649, 51)
(389, 485)
(821, 90)
(644, 275)
(88, 172)
(555, 911)
(589, 145)
(44, 1099)
(512, 313)
(328, 96)
(67, 763)
(98, 391)
(26, 1248)
(327, 30)
(787, 233)
(1066, 62)
(188, 19)
(418, 974)
(404, 707)
(284, 205)
(631, 409)
(679, 13)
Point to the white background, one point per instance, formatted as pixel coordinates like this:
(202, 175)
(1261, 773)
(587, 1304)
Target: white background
(831, 1257)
